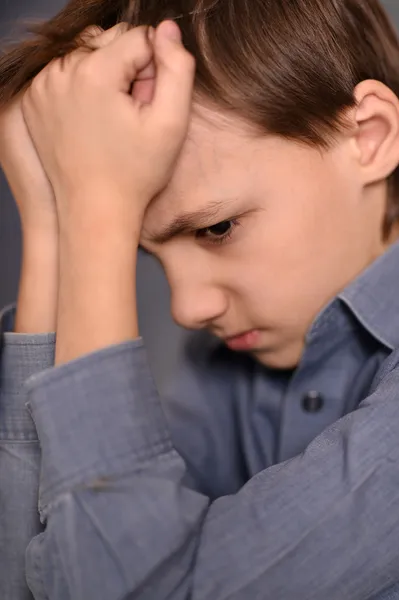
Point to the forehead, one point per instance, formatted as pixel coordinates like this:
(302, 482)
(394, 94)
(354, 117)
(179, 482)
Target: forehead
(216, 160)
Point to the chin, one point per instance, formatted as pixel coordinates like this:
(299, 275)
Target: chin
(279, 359)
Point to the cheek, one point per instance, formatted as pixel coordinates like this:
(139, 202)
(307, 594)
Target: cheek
(263, 274)
(291, 265)
(310, 227)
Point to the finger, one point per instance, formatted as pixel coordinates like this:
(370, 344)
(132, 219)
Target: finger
(175, 76)
(143, 91)
(89, 34)
(90, 39)
(96, 37)
(148, 73)
(144, 85)
(124, 57)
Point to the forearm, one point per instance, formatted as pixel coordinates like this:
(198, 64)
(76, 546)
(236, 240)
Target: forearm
(97, 293)
(26, 348)
(38, 288)
(122, 524)
(21, 356)
(120, 520)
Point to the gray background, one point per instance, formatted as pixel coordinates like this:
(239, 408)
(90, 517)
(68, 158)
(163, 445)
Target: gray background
(162, 337)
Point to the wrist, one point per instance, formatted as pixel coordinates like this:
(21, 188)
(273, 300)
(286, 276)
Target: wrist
(40, 240)
(97, 295)
(38, 286)
(79, 217)
(42, 225)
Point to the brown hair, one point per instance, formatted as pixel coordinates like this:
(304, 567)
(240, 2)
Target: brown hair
(287, 66)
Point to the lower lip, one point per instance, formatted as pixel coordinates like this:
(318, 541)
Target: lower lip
(244, 342)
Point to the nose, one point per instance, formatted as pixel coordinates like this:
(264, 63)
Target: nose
(197, 307)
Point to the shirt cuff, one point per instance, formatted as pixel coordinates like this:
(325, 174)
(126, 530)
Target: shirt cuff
(97, 417)
(21, 356)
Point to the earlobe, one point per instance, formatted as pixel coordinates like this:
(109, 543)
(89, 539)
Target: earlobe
(377, 132)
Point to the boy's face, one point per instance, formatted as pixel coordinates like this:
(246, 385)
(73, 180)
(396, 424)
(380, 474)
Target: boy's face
(275, 231)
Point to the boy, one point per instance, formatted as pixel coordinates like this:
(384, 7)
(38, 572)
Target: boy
(277, 231)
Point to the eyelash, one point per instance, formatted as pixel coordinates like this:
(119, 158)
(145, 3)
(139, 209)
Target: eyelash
(221, 239)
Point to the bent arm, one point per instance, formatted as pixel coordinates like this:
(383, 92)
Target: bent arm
(21, 355)
(26, 348)
(122, 524)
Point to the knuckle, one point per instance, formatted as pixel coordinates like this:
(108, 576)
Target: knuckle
(139, 35)
(170, 126)
(50, 78)
(190, 62)
(25, 101)
(95, 37)
(35, 87)
(88, 73)
(90, 32)
(115, 32)
(93, 30)
(184, 61)
(122, 27)
(27, 104)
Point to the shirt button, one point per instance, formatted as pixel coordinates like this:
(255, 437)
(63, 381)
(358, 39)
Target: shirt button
(312, 402)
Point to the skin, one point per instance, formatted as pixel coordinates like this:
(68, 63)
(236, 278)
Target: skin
(33, 194)
(100, 194)
(307, 221)
(301, 226)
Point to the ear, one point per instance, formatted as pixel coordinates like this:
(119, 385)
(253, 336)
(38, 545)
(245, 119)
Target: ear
(377, 130)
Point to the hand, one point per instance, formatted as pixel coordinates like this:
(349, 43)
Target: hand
(34, 197)
(106, 152)
(29, 184)
(26, 177)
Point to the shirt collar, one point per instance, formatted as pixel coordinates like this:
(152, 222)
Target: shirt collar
(373, 298)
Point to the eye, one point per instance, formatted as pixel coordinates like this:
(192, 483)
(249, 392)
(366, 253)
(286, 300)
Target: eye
(218, 233)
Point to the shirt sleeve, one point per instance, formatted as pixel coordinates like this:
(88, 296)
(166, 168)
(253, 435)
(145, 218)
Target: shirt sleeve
(20, 356)
(121, 524)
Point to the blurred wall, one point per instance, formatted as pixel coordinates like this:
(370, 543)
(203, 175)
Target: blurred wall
(162, 337)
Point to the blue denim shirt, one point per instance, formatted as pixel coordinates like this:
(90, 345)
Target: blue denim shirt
(240, 483)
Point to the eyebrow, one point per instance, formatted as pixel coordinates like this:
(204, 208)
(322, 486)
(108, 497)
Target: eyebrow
(191, 221)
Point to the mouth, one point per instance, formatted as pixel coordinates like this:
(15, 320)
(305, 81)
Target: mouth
(243, 342)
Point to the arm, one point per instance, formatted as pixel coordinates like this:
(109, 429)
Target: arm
(26, 347)
(120, 523)
(24, 351)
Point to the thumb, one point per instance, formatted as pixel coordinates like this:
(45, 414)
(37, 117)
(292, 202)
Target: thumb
(122, 55)
(175, 70)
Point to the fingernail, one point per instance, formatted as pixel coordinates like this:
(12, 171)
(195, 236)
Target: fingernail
(171, 31)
